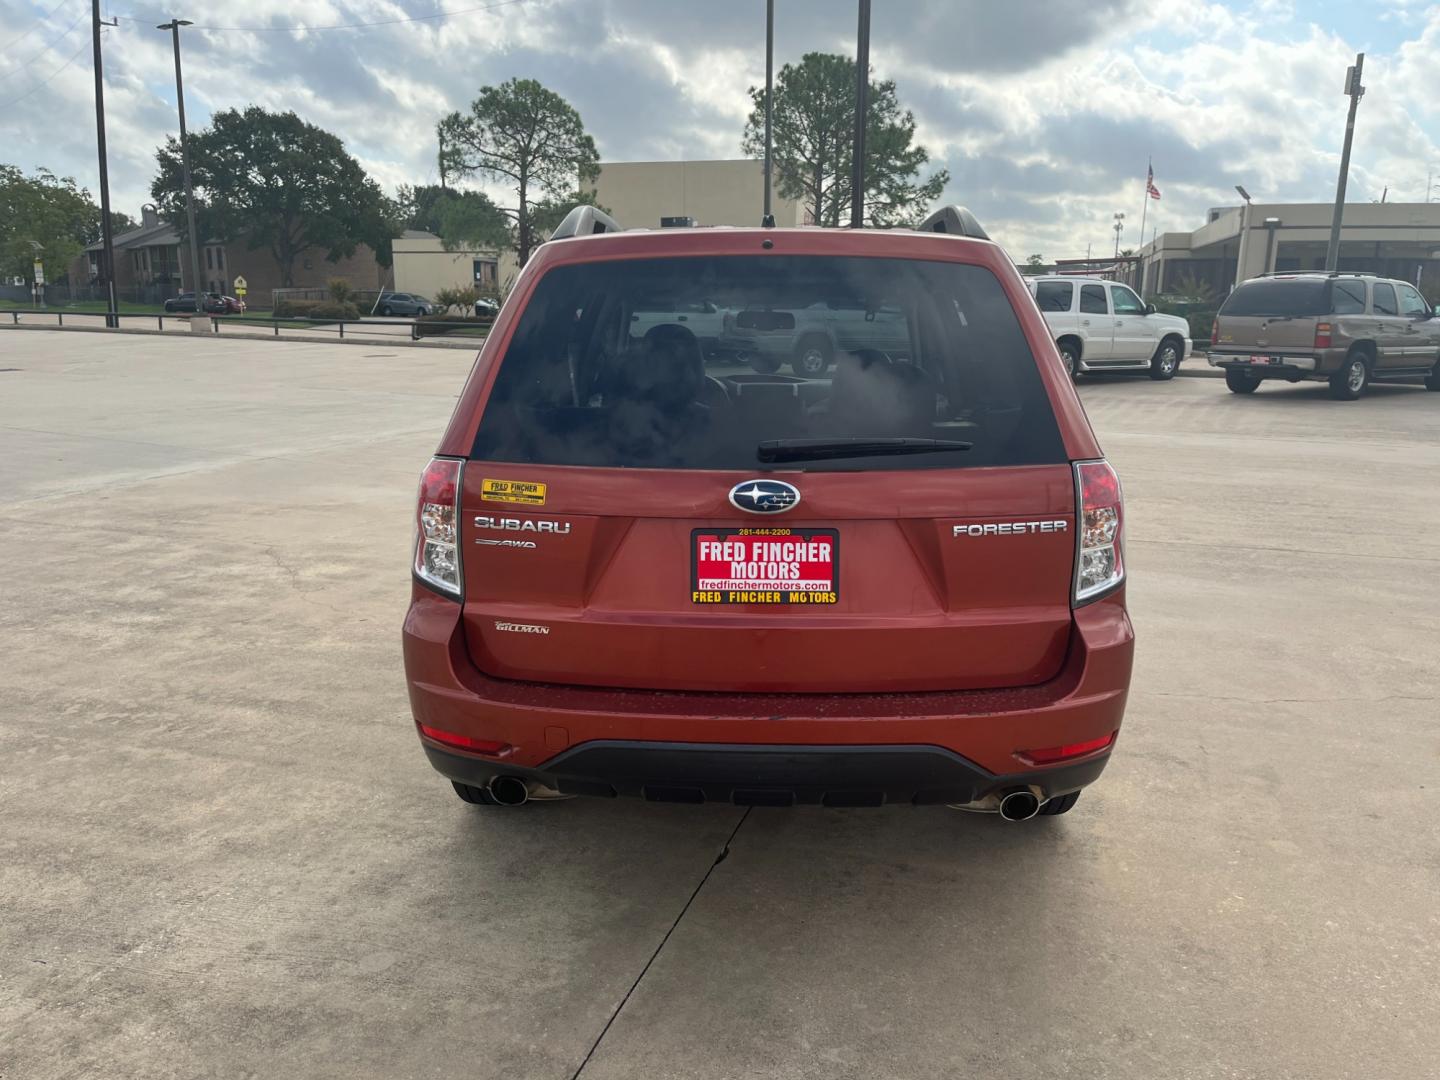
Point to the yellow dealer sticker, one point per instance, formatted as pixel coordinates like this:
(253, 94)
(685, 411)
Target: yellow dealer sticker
(513, 491)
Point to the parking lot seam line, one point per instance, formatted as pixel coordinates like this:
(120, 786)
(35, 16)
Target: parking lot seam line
(719, 858)
(1287, 550)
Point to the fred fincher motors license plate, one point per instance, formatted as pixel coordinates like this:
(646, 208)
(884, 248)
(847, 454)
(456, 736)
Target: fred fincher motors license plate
(789, 567)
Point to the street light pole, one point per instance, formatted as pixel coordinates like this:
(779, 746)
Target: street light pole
(1243, 247)
(1356, 92)
(862, 110)
(107, 236)
(174, 27)
(1119, 228)
(767, 218)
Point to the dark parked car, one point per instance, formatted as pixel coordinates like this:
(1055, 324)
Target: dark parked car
(214, 303)
(404, 303)
(901, 583)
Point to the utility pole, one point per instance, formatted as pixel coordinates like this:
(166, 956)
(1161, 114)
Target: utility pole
(440, 135)
(862, 110)
(107, 237)
(1355, 92)
(767, 218)
(1119, 227)
(174, 27)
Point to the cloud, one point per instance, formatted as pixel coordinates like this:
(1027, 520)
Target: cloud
(1044, 112)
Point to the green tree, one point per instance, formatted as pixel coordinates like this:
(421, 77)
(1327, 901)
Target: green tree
(44, 216)
(277, 183)
(468, 219)
(527, 137)
(814, 131)
(1034, 265)
(1188, 286)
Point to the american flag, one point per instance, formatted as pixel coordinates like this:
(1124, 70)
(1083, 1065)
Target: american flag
(1150, 188)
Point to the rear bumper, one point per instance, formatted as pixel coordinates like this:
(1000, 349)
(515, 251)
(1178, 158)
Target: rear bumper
(770, 775)
(622, 741)
(1293, 366)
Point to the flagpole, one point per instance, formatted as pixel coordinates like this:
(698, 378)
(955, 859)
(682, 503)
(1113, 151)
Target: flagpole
(1149, 171)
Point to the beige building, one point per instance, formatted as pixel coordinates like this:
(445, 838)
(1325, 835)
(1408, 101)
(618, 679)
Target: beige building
(1398, 240)
(422, 265)
(639, 194)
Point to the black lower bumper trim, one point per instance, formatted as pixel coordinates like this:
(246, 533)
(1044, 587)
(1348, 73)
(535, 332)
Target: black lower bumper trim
(770, 775)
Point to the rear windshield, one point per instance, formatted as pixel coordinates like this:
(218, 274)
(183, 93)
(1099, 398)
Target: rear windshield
(693, 363)
(1279, 296)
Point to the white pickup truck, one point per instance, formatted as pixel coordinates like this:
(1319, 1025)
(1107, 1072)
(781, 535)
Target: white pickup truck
(1103, 326)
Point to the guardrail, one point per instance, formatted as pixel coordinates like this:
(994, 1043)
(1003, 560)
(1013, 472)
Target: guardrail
(419, 328)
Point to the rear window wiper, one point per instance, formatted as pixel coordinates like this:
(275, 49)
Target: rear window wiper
(852, 446)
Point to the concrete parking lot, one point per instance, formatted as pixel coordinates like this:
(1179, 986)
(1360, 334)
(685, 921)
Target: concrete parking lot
(223, 854)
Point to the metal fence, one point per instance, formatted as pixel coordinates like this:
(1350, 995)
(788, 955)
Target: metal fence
(63, 295)
(373, 329)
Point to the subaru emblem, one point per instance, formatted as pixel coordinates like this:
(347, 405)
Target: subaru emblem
(764, 496)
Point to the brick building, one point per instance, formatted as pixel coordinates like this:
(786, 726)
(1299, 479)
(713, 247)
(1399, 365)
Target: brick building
(152, 263)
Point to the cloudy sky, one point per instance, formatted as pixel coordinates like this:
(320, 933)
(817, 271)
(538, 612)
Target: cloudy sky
(1044, 111)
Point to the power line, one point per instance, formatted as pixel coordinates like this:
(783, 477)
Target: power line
(299, 28)
(45, 49)
(43, 82)
(38, 23)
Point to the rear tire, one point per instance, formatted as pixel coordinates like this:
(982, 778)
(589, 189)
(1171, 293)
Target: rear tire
(1070, 354)
(1432, 381)
(1353, 378)
(1241, 382)
(1166, 361)
(1061, 804)
(475, 796)
(812, 357)
(385, 310)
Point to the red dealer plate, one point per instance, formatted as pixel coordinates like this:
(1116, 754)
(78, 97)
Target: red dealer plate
(788, 567)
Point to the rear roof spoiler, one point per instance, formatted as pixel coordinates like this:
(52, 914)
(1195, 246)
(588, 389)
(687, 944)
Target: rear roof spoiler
(955, 221)
(585, 221)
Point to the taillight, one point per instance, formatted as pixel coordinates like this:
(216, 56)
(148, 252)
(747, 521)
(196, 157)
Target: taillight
(1215, 331)
(1053, 754)
(437, 526)
(1100, 555)
(464, 742)
(1322, 335)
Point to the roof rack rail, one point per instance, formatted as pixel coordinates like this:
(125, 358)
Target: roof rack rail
(1327, 273)
(585, 221)
(954, 220)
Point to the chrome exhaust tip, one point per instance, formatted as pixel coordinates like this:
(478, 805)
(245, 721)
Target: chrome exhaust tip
(1022, 804)
(508, 790)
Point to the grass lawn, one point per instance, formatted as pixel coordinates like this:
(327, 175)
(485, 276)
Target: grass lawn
(126, 308)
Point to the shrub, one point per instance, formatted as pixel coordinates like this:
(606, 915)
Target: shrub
(340, 292)
(1200, 325)
(315, 309)
(467, 325)
(463, 298)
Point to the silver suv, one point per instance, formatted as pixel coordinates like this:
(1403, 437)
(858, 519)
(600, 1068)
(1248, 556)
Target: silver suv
(1349, 329)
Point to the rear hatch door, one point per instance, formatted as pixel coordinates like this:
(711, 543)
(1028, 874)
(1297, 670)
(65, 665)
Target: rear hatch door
(1273, 315)
(622, 514)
